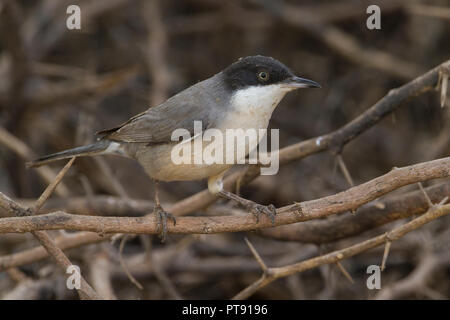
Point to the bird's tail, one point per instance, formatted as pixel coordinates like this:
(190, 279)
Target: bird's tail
(96, 148)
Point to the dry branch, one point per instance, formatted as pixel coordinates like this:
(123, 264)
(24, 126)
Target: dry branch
(96, 205)
(368, 217)
(340, 202)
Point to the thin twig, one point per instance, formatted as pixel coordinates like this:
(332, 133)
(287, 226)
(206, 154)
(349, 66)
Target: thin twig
(256, 255)
(124, 266)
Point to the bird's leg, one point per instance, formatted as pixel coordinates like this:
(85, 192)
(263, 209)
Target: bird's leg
(215, 186)
(161, 214)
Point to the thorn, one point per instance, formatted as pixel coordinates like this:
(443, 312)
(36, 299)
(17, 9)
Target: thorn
(344, 170)
(347, 175)
(379, 205)
(387, 248)
(430, 204)
(345, 272)
(299, 211)
(239, 184)
(444, 85)
(443, 201)
(116, 237)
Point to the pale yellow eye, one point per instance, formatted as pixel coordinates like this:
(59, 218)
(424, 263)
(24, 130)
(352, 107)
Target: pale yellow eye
(263, 76)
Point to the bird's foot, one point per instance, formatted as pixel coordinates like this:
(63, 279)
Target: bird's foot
(258, 209)
(162, 216)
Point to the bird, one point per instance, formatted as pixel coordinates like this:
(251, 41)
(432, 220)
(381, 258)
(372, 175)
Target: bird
(243, 95)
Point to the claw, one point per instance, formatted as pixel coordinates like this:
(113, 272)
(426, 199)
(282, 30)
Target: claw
(257, 210)
(162, 217)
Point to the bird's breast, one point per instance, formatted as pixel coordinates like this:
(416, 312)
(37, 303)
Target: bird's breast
(253, 106)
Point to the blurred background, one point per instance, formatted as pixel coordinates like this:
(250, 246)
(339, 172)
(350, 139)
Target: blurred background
(59, 86)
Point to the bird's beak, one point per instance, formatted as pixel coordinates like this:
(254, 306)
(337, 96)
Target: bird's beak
(295, 82)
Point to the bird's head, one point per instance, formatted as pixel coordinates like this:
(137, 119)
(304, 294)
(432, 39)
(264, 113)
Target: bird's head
(263, 71)
(260, 80)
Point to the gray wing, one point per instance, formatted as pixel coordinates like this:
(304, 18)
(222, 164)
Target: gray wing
(197, 103)
(157, 124)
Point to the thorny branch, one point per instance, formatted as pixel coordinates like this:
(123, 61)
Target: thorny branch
(304, 211)
(271, 274)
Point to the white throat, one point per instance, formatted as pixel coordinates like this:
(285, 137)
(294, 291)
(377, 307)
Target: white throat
(258, 100)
